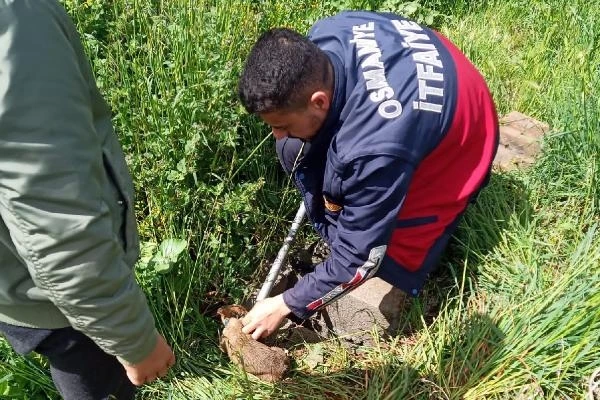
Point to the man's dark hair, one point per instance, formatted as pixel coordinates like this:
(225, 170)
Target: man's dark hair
(282, 67)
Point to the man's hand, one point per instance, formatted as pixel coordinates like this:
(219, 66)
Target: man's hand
(154, 366)
(265, 317)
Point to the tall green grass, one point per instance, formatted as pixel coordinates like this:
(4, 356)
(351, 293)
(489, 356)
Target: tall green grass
(513, 311)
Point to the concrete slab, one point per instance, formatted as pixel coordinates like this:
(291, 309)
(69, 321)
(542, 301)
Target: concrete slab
(519, 140)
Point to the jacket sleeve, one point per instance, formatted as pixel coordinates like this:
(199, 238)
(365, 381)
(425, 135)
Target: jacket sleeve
(53, 181)
(374, 191)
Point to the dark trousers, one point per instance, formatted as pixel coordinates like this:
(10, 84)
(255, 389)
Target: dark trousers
(79, 368)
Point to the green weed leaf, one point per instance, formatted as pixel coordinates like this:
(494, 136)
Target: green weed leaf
(411, 7)
(167, 255)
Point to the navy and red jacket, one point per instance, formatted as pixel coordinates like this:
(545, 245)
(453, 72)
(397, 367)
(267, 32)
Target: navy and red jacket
(408, 142)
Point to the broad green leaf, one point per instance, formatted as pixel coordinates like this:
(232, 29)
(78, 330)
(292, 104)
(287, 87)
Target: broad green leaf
(172, 248)
(167, 255)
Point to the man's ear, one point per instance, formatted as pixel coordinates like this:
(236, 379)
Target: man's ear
(320, 100)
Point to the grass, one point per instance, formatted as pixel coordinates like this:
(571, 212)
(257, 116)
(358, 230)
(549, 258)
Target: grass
(513, 311)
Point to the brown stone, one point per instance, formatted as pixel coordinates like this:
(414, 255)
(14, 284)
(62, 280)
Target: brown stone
(519, 140)
(374, 304)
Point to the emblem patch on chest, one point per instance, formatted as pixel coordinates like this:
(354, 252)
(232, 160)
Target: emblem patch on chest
(332, 207)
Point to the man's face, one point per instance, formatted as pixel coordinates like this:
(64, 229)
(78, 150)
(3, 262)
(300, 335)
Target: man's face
(302, 124)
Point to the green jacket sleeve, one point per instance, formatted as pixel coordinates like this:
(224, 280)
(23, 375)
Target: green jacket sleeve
(53, 180)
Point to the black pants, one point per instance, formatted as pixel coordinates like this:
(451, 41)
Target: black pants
(80, 369)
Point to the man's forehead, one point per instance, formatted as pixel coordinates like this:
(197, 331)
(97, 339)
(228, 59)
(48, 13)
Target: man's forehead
(276, 118)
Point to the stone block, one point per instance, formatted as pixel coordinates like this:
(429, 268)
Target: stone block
(375, 303)
(519, 140)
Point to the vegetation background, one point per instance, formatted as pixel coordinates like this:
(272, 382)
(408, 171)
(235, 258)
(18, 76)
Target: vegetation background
(513, 312)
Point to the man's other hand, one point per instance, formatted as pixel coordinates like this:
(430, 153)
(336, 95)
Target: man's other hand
(154, 366)
(265, 317)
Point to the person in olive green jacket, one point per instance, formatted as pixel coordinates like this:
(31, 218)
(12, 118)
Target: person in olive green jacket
(68, 238)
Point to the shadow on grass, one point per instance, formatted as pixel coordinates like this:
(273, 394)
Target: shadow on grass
(390, 379)
(456, 359)
(468, 356)
(446, 360)
(504, 202)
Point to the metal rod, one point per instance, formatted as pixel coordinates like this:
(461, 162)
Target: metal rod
(276, 266)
